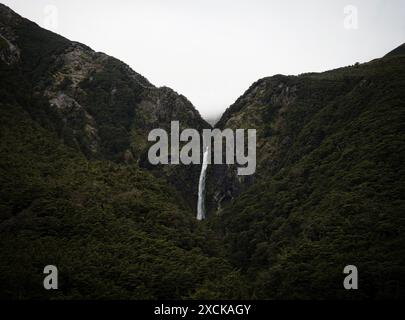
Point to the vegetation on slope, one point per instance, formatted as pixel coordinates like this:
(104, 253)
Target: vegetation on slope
(329, 187)
(114, 230)
(328, 190)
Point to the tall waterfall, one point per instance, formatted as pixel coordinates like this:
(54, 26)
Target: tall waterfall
(201, 187)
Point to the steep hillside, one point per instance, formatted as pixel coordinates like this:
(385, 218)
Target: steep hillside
(329, 186)
(114, 231)
(77, 191)
(94, 102)
(73, 127)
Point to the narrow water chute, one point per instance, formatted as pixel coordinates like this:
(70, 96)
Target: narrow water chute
(201, 187)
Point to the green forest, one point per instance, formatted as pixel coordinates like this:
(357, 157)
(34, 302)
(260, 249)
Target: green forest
(76, 190)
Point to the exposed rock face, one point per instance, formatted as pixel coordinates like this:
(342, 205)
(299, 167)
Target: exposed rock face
(328, 172)
(76, 119)
(103, 107)
(252, 110)
(9, 53)
(327, 192)
(281, 108)
(75, 188)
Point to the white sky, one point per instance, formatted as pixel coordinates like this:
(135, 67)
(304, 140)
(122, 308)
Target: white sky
(211, 51)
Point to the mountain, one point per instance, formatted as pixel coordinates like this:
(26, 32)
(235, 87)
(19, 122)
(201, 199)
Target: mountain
(74, 193)
(77, 191)
(397, 51)
(99, 105)
(328, 190)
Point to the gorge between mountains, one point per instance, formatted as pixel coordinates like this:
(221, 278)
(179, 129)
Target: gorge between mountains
(78, 189)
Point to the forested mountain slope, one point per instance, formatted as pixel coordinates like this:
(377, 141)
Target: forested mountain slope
(329, 187)
(73, 127)
(93, 102)
(76, 189)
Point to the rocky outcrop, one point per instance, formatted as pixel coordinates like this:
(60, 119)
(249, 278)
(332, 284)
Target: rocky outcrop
(279, 108)
(9, 53)
(102, 106)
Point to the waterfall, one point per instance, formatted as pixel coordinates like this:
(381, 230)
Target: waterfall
(201, 187)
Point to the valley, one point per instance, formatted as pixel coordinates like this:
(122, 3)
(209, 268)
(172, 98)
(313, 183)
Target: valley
(78, 190)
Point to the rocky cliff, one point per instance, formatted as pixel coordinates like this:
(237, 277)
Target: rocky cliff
(77, 191)
(99, 105)
(327, 190)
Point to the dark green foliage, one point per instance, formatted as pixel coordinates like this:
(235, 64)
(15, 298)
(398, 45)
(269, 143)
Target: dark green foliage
(328, 191)
(111, 99)
(114, 231)
(332, 192)
(3, 43)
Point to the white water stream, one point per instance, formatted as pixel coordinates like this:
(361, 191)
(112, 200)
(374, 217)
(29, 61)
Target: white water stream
(201, 187)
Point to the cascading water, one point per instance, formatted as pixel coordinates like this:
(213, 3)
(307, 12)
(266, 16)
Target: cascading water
(201, 187)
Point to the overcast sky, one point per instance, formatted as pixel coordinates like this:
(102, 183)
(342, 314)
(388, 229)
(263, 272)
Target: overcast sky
(211, 51)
